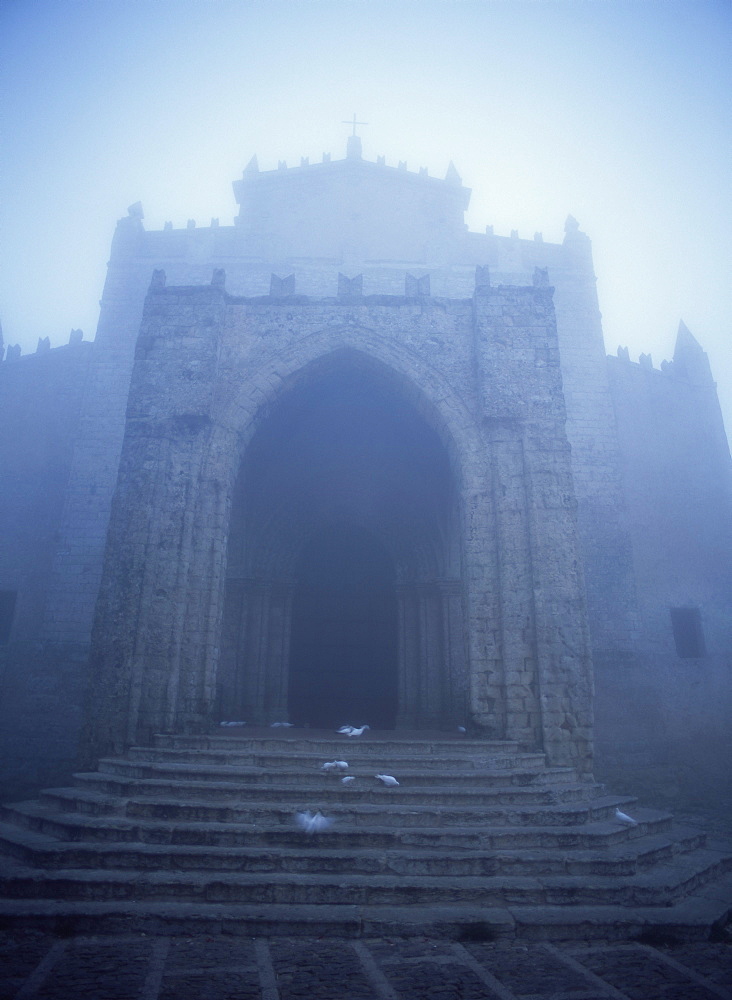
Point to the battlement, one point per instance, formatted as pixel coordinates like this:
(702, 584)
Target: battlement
(416, 288)
(14, 353)
(353, 162)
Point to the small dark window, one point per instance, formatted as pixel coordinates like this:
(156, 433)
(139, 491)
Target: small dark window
(7, 610)
(688, 633)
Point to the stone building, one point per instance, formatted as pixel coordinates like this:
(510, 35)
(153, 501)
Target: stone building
(346, 460)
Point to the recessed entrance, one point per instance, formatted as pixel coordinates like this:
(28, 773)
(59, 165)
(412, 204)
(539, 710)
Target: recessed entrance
(343, 651)
(343, 597)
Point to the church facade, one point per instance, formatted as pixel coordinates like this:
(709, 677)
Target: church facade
(347, 461)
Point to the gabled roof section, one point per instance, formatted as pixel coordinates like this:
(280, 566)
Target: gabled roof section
(353, 208)
(352, 164)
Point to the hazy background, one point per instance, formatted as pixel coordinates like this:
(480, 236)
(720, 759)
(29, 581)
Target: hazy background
(618, 112)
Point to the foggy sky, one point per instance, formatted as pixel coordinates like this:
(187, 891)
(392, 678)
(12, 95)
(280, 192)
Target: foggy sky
(619, 113)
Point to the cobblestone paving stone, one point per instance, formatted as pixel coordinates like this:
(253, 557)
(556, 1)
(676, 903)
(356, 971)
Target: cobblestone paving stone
(208, 968)
(530, 970)
(38, 966)
(328, 971)
(711, 961)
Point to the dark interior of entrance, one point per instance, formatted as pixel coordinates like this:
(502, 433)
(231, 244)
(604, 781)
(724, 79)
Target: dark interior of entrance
(343, 650)
(344, 558)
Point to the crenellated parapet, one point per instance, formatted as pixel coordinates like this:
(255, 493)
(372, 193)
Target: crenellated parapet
(690, 362)
(13, 352)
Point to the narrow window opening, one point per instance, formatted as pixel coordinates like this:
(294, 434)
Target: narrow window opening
(688, 633)
(7, 611)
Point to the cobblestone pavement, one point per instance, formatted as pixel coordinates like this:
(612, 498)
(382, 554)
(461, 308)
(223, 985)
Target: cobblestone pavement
(137, 967)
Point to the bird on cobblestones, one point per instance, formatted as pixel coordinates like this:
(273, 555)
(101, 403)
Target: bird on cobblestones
(313, 822)
(387, 779)
(622, 817)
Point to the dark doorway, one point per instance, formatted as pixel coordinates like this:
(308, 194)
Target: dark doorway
(343, 653)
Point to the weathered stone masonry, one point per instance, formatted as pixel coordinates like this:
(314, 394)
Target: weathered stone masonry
(209, 369)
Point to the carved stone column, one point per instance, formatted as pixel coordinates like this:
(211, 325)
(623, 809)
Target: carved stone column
(454, 673)
(408, 666)
(431, 659)
(252, 660)
(277, 661)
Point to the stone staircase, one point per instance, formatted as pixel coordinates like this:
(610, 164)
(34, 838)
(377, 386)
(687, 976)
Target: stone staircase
(480, 839)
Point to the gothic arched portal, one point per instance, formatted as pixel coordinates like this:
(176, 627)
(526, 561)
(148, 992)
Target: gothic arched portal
(344, 593)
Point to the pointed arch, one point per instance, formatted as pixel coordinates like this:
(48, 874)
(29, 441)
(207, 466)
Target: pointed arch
(387, 460)
(422, 384)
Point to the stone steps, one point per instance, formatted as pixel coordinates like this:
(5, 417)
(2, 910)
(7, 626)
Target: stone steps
(689, 919)
(199, 832)
(378, 760)
(386, 806)
(626, 859)
(666, 882)
(273, 753)
(323, 743)
(365, 788)
(74, 826)
(313, 774)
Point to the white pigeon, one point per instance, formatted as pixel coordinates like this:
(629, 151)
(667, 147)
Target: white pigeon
(334, 765)
(348, 779)
(344, 729)
(313, 822)
(461, 729)
(387, 779)
(232, 723)
(357, 732)
(624, 818)
(282, 725)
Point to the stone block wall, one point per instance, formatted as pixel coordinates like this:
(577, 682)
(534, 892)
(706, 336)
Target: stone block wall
(663, 719)
(208, 370)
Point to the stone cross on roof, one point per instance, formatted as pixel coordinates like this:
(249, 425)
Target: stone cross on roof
(354, 123)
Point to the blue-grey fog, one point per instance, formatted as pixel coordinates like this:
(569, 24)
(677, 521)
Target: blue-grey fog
(348, 463)
(616, 112)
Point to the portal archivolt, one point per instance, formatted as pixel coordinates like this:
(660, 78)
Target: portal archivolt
(344, 593)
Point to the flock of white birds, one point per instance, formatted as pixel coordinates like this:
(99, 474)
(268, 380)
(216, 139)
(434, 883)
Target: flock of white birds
(310, 822)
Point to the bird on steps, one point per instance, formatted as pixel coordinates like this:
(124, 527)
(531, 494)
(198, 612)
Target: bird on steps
(313, 822)
(622, 817)
(357, 732)
(335, 765)
(387, 780)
